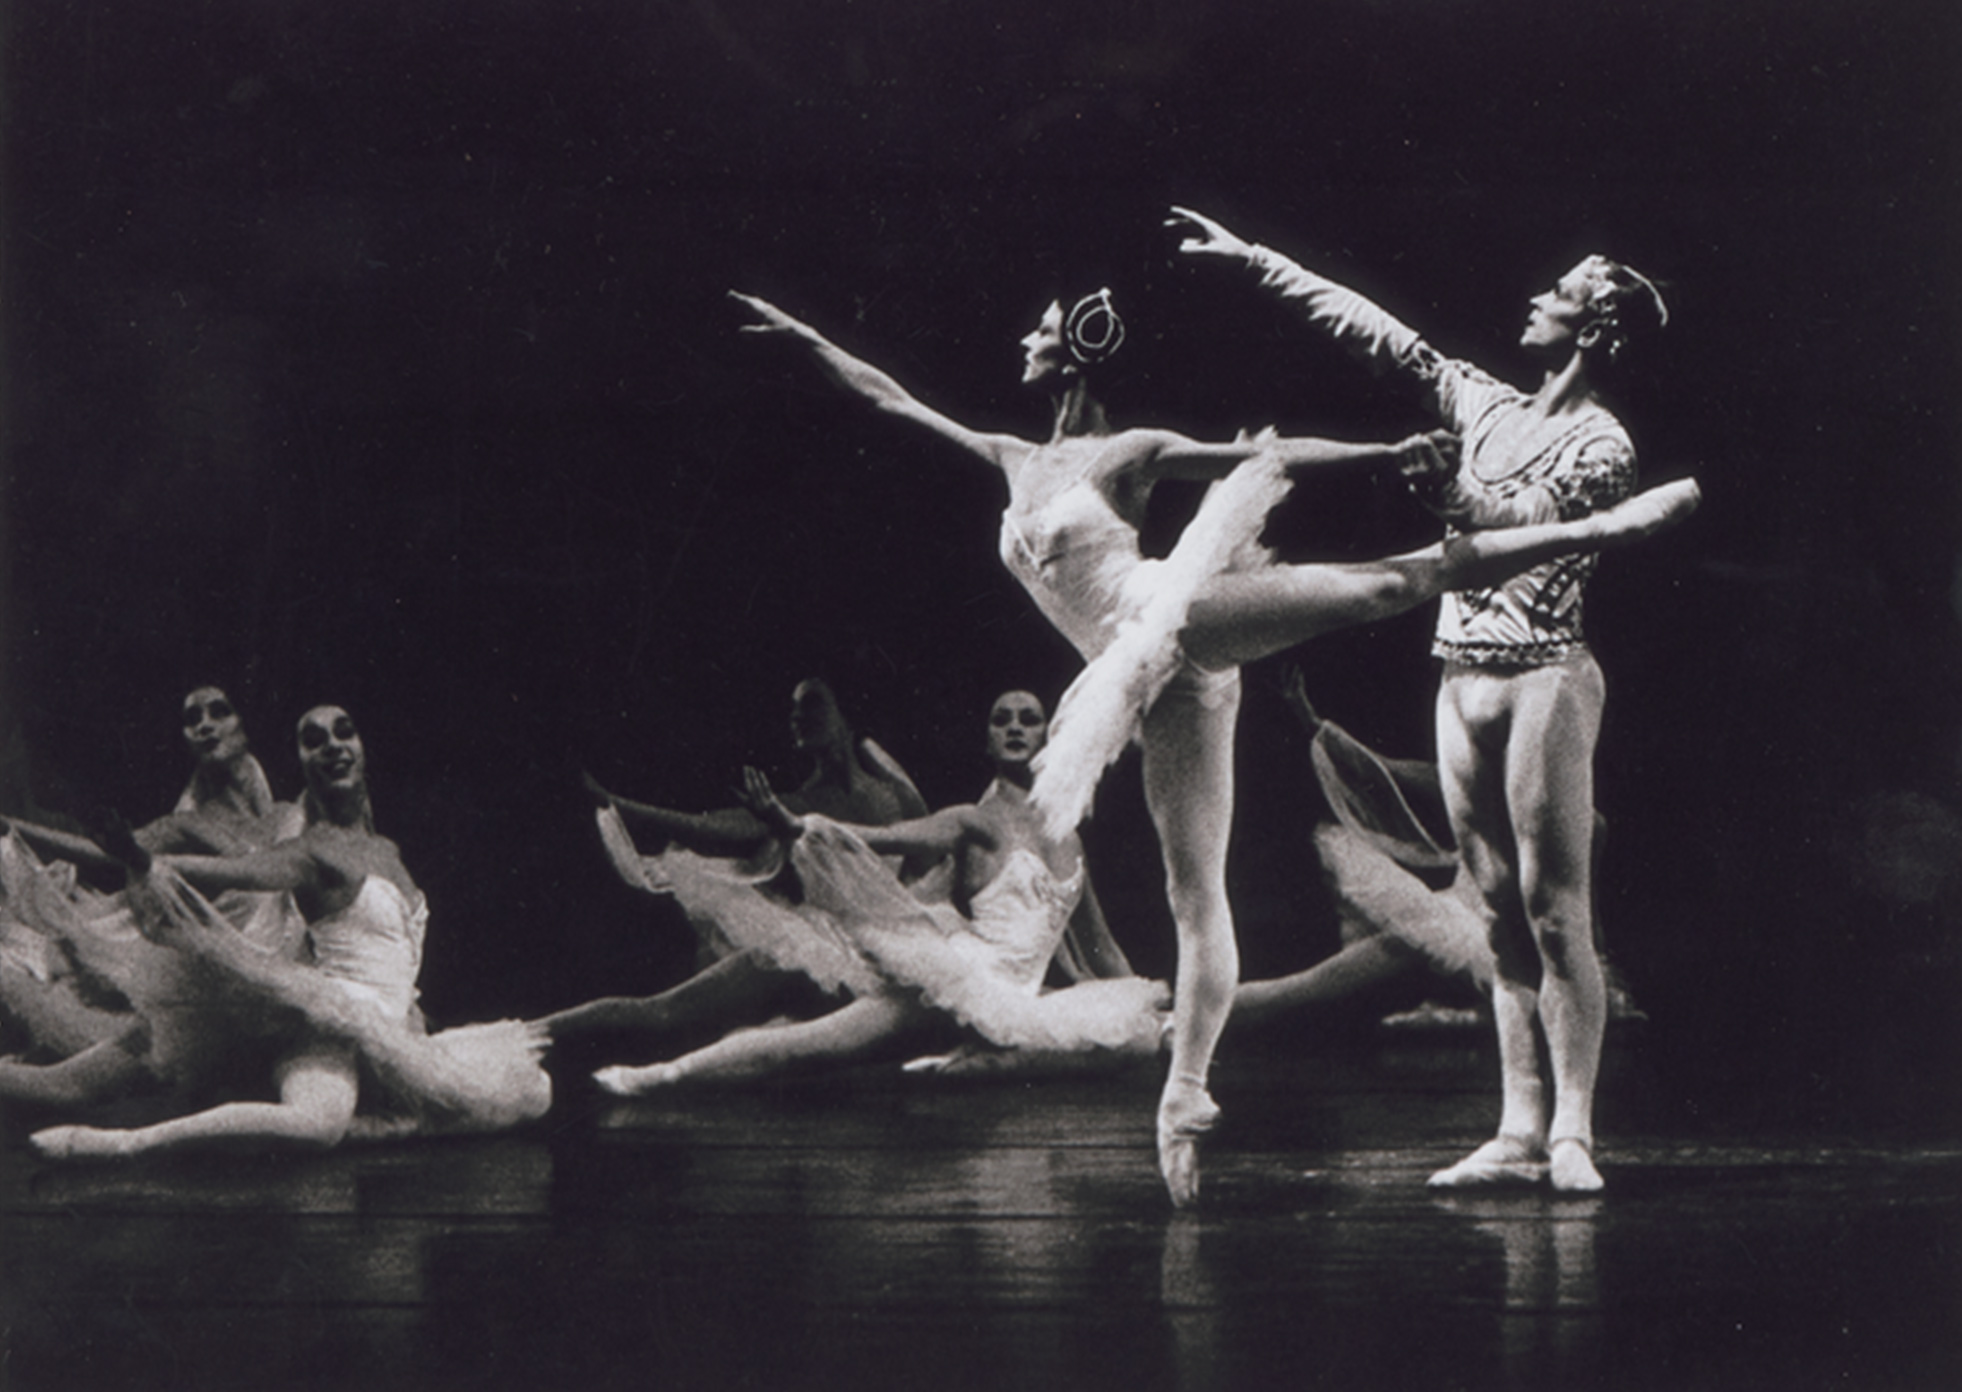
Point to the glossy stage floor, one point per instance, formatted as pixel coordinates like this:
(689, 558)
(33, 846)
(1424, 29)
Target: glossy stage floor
(874, 1231)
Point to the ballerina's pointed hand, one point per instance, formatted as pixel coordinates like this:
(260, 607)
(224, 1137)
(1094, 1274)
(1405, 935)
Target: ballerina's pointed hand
(1204, 237)
(761, 799)
(592, 786)
(774, 320)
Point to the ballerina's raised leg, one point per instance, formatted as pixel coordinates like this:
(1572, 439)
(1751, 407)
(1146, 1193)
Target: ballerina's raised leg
(1239, 617)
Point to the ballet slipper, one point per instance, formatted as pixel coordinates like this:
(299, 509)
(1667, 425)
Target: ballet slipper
(1572, 1170)
(1185, 1114)
(81, 1143)
(928, 1063)
(634, 1082)
(1501, 1161)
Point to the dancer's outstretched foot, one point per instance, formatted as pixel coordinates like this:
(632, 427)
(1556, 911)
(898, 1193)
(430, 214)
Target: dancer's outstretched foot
(82, 1143)
(1648, 512)
(1186, 1112)
(1503, 1160)
(1572, 1170)
(634, 1082)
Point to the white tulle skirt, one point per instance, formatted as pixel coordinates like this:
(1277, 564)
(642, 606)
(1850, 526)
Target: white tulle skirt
(860, 930)
(1103, 710)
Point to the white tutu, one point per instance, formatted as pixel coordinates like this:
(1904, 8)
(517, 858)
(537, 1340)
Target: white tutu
(1125, 614)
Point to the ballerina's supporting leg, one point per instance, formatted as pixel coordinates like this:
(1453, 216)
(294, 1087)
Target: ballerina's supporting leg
(1188, 782)
(1246, 615)
(735, 987)
(317, 1093)
(845, 1033)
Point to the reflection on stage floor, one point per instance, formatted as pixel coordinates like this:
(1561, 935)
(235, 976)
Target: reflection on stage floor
(873, 1231)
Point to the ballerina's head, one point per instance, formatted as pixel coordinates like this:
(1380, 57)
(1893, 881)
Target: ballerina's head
(816, 723)
(212, 727)
(1598, 308)
(1064, 342)
(1018, 727)
(335, 763)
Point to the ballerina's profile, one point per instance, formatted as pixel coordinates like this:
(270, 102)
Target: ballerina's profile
(319, 1027)
(1164, 639)
(977, 951)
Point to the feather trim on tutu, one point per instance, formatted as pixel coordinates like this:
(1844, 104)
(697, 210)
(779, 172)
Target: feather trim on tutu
(1389, 899)
(734, 911)
(1103, 709)
(651, 873)
(478, 1077)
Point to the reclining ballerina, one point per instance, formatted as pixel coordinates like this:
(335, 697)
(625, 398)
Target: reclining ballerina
(67, 1014)
(319, 1028)
(975, 949)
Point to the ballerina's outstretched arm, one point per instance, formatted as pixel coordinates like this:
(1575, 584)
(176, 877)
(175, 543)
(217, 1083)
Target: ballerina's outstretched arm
(936, 834)
(1088, 952)
(1172, 455)
(875, 385)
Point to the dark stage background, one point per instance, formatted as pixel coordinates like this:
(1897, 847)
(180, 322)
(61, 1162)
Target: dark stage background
(377, 354)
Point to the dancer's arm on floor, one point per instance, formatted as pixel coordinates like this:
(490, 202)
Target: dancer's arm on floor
(887, 768)
(1088, 952)
(876, 386)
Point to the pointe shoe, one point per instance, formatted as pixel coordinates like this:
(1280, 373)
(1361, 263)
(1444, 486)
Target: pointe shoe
(80, 1143)
(1650, 511)
(1185, 1114)
(1572, 1170)
(1503, 1161)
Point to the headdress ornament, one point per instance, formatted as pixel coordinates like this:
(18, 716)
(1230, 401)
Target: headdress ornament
(1092, 329)
(1609, 286)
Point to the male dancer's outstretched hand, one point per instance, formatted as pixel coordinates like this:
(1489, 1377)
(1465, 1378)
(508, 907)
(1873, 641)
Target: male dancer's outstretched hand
(1430, 458)
(1204, 237)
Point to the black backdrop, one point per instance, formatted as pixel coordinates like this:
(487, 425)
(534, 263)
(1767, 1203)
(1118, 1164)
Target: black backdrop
(376, 353)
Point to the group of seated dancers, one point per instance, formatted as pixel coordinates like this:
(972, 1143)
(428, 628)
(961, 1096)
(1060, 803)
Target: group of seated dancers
(262, 956)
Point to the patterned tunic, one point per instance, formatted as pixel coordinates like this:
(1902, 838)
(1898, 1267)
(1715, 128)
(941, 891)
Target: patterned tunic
(1515, 468)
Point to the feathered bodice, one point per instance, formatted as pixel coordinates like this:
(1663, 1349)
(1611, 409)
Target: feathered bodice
(1023, 911)
(374, 945)
(1078, 560)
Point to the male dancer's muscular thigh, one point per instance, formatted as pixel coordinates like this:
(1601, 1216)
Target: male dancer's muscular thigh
(1550, 773)
(1472, 719)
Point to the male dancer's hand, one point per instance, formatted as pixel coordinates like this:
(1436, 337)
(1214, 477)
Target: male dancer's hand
(1204, 237)
(1428, 459)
